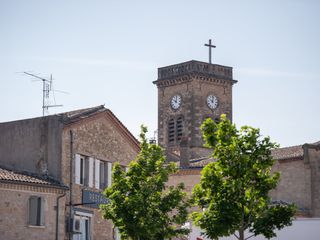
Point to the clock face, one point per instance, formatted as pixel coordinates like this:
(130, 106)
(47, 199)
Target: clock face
(212, 102)
(176, 102)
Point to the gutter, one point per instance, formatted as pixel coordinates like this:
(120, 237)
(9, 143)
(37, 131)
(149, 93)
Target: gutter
(57, 215)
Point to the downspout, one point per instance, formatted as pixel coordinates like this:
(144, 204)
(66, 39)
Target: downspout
(57, 216)
(70, 183)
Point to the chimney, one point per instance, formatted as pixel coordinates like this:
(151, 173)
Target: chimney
(184, 152)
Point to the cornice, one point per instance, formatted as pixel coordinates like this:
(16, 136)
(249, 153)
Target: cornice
(185, 78)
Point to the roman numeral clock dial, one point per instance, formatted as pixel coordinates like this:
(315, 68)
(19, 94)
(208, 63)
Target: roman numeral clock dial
(175, 102)
(212, 102)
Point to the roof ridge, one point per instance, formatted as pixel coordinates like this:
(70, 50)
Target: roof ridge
(79, 113)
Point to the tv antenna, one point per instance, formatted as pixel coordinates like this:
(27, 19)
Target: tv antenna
(47, 87)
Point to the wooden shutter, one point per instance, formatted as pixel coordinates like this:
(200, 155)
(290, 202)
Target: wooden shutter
(33, 210)
(90, 182)
(102, 174)
(41, 208)
(109, 174)
(77, 168)
(36, 211)
(97, 174)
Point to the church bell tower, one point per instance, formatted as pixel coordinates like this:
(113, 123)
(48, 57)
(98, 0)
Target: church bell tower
(188, 93)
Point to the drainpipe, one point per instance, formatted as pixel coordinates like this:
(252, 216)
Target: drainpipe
(57, 216)
(70, 183)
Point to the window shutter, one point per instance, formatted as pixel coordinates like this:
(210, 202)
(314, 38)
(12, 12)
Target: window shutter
(91, 172)
(109, 174)
(33, 211)
(77, 168)
(36, 211)
(97, 174)
(102, 174)
(42, 204)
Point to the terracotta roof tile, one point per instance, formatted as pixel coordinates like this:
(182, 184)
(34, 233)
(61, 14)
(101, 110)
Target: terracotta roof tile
(279, 153)
(288, 152)
(12, 176)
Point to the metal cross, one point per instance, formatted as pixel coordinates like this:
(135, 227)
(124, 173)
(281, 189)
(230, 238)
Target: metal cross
(210, 46)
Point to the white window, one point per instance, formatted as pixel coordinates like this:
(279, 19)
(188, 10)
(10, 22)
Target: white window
(84, 170)
(36, 211)
(102, 174)
(91, 162)
(97, 174)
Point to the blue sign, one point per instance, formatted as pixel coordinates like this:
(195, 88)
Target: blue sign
(93, 199)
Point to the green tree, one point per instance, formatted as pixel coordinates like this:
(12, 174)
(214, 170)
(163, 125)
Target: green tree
(233, 190)
(140, 204)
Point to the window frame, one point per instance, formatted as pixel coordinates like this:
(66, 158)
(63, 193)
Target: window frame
(36, 203)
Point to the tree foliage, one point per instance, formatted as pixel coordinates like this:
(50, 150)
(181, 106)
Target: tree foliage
(140, 205)
(233, 190)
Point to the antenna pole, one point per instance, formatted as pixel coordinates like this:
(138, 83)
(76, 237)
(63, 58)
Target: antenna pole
(43, 96)
(46, 88)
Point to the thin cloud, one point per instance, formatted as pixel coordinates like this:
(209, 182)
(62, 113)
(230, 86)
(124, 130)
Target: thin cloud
(94, 62)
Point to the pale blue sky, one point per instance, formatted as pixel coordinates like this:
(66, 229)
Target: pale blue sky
(107, 52)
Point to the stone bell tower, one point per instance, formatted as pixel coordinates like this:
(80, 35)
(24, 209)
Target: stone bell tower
(188, 93)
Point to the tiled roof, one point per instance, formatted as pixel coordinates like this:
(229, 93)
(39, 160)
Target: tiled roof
(288, 152)
(15, 177)
(78, 115)
(74, 116)
(278, 154)
(198, 162)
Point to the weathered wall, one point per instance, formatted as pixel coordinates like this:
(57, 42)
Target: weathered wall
(100, 138)
(32, 145)
(295, 182)
(14, 212)
(312, 157)
(189, 177)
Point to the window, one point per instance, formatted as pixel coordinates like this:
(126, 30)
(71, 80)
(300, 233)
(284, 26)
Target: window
(175, 130)
(171, 131)
(102, 174)
(84, 170)
(36, 211)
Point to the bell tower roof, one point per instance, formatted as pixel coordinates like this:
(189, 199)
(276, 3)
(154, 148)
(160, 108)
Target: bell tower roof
(178, 73)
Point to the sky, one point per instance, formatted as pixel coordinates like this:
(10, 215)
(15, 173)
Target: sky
(107, 52)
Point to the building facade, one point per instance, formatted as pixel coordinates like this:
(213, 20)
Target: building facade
(29, 206)
(76, 149)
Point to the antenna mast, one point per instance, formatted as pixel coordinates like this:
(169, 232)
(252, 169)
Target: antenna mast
(46, 89)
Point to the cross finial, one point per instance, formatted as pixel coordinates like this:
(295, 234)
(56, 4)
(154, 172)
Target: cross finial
(210, 46)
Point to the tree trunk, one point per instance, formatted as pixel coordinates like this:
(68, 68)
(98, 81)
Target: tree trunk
(241, 234)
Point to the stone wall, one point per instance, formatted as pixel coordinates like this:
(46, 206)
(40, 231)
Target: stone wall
(32, 145)
(295, 182)
(14, 208)
(312, 157)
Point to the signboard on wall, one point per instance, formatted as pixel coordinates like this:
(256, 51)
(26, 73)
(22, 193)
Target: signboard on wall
(93, 199)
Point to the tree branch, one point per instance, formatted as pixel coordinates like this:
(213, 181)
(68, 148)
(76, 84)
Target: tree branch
(236, 235)
(249, 237)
